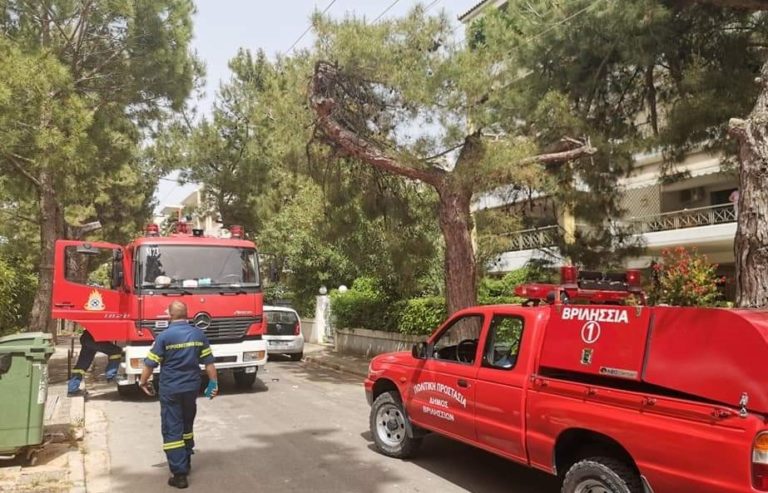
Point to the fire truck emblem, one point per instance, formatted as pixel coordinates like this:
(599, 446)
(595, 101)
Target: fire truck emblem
(95, 303)
(590, 332)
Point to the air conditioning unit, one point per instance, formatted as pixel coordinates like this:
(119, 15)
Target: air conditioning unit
(690, 195)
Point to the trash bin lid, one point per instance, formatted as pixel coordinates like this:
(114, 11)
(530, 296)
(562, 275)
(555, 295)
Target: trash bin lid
(27, 342)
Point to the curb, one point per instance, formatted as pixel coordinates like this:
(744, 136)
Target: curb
(75, 458)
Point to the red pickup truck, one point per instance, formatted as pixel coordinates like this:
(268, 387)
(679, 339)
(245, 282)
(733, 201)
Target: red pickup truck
(610, 398)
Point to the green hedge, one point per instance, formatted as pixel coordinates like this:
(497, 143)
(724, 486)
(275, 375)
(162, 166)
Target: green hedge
(365, 306)
(422, 315)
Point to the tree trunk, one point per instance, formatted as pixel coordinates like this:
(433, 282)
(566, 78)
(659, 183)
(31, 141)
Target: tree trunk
(460, 268)
(751, 242)
(40, 318)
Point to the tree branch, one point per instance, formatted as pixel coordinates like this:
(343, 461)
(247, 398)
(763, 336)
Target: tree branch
(349, 142)
(16, 161)
(585, 149)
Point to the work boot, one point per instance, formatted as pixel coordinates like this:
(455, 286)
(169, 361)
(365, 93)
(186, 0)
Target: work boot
(178, 481)
(73, 387)
(111, 370)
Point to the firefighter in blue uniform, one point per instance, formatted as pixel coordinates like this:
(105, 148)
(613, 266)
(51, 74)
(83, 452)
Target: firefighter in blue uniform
(88, 350)
(179, 350)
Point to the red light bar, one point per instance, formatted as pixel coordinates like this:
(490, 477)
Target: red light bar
(152, 230)
(182, 228)
(236, 231)
(568, 274)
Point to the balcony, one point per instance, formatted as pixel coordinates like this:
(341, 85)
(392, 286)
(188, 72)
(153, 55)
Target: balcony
(686, 218)
(530, 239)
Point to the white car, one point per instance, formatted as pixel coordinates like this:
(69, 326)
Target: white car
(283, 334)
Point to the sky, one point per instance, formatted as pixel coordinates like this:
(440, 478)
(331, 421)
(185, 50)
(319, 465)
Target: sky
(224, 26)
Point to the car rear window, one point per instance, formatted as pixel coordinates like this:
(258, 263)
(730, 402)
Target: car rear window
(281, 317)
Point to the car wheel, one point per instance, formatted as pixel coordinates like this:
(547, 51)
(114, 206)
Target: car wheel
(388, 423)
(244, 380)
(601, 475)
(297, 356)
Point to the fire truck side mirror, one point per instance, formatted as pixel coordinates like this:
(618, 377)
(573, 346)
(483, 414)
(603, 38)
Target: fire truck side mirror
(117, 269)
(419, 350)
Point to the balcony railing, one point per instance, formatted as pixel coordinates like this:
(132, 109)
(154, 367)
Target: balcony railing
(530, 239)
(687, 218)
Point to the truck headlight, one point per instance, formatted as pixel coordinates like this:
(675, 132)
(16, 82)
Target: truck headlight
(253, 355)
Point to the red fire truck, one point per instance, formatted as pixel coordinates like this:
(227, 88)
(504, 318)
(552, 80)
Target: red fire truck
(587, 383)
(217, 278)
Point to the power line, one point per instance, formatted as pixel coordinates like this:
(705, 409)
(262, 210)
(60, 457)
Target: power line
(385, 11)
(435, 2)
(309, 28)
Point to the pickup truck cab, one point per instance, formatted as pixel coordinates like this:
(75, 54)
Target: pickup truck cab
(610, 398)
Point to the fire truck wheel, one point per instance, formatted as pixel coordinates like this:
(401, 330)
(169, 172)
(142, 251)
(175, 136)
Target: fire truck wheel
(601, 475)
(128, 390)
(388, 424)
(244, 380)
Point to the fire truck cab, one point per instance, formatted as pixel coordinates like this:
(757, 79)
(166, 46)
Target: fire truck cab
(121, 294)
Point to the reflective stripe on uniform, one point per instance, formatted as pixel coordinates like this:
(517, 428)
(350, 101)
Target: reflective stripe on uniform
(206, 352)
(188, 436)
(152, 356)
(174, 445)
(78, 371)
(183, 345)
(116, 356)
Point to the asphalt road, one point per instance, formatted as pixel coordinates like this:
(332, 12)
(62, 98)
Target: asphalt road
(301, 428)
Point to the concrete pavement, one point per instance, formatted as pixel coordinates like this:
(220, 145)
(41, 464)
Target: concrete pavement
(303, 427)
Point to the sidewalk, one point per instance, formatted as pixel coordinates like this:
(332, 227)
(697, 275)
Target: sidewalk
(325, 356)
(58, 466)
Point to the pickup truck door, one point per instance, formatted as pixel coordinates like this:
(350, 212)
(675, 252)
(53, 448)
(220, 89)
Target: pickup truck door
(443, 388)
(500, 387)
(87, 287)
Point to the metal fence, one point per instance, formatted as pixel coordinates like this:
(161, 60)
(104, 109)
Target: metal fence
(686, 218)
(530, 239)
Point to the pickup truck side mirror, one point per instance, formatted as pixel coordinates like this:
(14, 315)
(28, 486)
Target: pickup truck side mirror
(5, 363)
(419, 350)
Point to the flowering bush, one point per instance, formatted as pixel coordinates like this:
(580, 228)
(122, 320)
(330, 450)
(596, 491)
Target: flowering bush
(684, 278)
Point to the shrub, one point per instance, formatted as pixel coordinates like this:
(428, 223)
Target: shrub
(684, 278)
(363, 306)
(422, 315)
(498, 291)
(17, 290)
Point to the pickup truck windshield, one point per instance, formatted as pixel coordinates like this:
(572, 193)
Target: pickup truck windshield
(193, 267)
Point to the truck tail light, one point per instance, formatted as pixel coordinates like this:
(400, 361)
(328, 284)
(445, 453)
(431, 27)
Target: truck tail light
(760, 462)
(297, 328)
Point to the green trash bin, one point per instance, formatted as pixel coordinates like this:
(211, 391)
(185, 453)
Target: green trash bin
(23, 390)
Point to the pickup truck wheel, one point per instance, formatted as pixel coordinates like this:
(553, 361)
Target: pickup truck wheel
(388, 427)
(601, 475)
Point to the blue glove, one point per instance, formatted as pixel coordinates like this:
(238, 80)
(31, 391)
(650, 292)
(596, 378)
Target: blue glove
(213, 385)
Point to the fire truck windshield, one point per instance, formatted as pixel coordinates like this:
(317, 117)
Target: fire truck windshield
(189, 267)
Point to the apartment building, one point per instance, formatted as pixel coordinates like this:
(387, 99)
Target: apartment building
(193, 210)
(695, 210)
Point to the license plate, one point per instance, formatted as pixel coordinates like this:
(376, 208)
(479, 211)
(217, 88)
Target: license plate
(278, 344)
(250, 369)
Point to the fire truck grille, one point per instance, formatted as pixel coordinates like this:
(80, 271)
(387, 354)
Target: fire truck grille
(221, 329)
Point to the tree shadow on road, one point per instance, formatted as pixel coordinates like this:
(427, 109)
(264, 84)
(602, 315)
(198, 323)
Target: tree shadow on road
(314, 460)
(102, 391)
(314, 373)
(476, 470)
